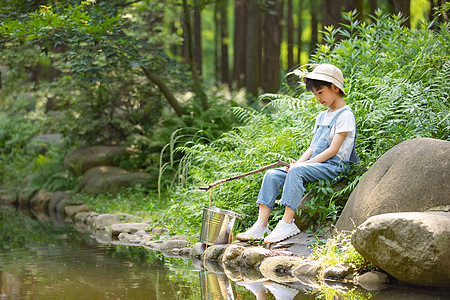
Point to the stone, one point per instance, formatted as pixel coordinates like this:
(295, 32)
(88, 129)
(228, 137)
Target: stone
(412, 247)
(213, 252)
(279, 268)
(231, 253)
(57, 197)
(41, 143)
(179, 237)
(129, 228)
(25, 196)
(250, 274)
(444, 208)
(184, 252)
(310, 268)
(61, 206)
(72, 210)
(105, 179)
(105, 220)
(40, 200)
(339, 271)
(80, 218)
(373, 281)
(7, 197)
(158, 230)
(84, 158)
(213, 266)
(161, 245)
(124, 237)
(297, 244)
(253, 256)
(198, 249)
(413, 176)
(232, 272)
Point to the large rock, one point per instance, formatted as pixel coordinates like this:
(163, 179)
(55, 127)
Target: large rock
(57, 197)
(41, 200)
(412, 176)
(129, 228)
(100, 222)
(279, 268)
(84, 158)
(412, 247)
(106, 179)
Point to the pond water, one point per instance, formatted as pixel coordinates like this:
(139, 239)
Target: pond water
(39, 260)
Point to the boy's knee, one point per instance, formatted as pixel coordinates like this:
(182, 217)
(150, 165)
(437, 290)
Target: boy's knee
(273, 173)
(297, 170)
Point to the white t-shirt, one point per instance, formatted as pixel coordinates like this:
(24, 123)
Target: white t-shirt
(345, 123)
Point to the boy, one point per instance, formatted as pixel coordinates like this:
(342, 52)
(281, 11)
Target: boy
(332, 147)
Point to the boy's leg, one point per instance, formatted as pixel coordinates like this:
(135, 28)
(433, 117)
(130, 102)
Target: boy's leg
(293, 191)
(263, 215)
(271, 185)
(272, 182)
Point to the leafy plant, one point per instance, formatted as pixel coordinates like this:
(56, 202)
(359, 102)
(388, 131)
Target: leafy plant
(396, 81)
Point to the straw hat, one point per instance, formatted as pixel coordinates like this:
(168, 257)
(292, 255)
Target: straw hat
(328, 73)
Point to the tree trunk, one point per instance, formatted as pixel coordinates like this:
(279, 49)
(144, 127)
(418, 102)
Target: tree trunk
(166, 92)
(290, 36)
(216, 42)
(253, 49)
(198, 38)
(240, 41)
(403, 7)
(197, 83)
(272, 34)
(299, 32)
(224, 42)
(351, 5)
(373, 6)
(314, 24)
(331, 13)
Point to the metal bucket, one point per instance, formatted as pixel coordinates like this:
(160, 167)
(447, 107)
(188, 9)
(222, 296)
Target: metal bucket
(218, 226)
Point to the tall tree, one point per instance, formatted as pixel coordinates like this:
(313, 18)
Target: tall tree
(240, 41)
(272, 36)
(198, 37)
(403, 7)
(253, 47)
(351, 5)
(290, 35)
(314, 9)
(216, 41)
(373, 6)
(224, 42)
(299, 32)
(331, 13)
(198, 88)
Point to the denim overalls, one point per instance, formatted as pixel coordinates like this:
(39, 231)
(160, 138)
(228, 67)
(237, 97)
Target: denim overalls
(294, 180)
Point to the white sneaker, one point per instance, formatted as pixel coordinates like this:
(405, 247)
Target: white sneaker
(281, 292)
(281, 232)
(256, 232)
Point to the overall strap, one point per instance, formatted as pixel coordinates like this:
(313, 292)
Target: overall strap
(335, 117)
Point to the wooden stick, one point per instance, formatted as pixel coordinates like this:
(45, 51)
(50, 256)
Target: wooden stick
(274, 165)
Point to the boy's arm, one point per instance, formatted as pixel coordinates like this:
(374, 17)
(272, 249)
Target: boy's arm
(336, 143)
(307, 154)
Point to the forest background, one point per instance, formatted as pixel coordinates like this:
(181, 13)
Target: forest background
(203, 90)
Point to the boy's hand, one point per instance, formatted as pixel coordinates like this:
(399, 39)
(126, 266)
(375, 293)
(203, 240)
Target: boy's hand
(287, 168)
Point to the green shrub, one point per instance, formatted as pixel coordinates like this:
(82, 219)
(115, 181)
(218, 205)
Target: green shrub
(397, 81)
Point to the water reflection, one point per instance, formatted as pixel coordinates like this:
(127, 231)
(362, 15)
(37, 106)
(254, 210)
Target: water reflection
(41, 261)
(215, 286)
